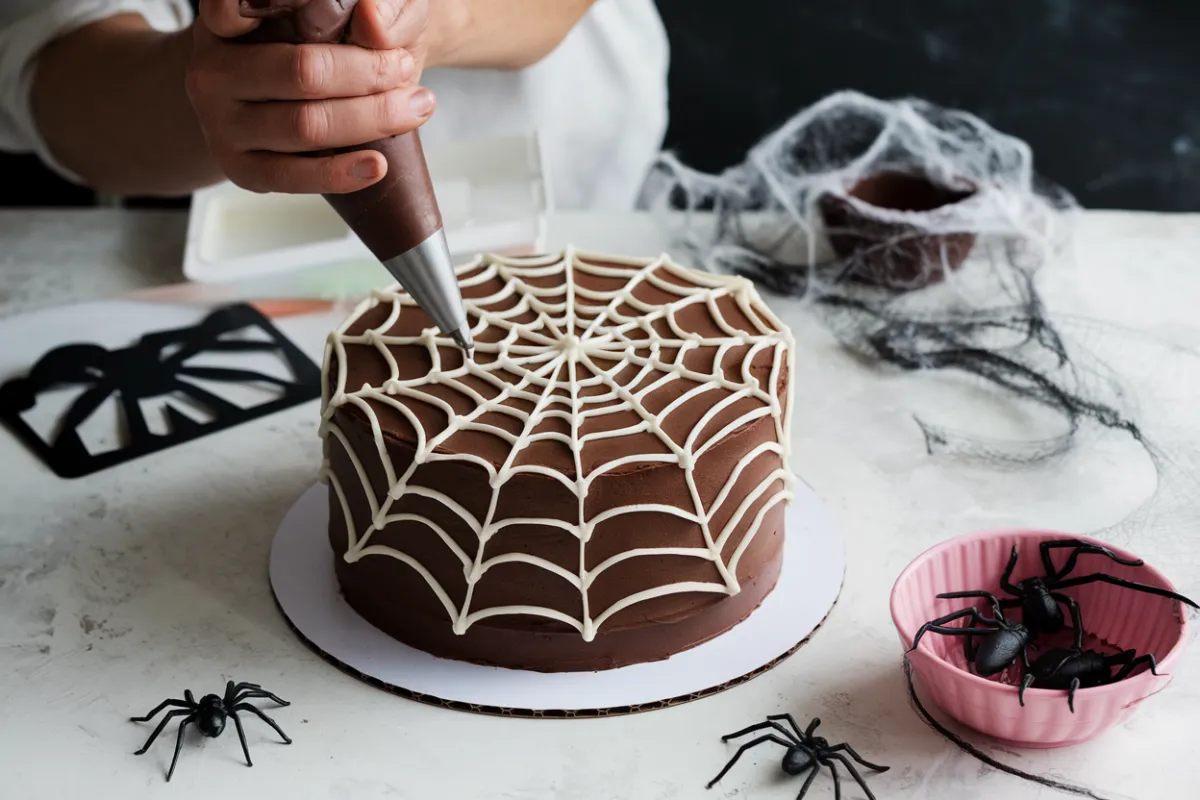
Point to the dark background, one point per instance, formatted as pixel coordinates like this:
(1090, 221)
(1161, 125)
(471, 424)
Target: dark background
(1106, 91)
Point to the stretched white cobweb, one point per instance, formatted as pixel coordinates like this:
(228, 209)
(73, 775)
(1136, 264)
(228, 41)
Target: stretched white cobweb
(556, 361)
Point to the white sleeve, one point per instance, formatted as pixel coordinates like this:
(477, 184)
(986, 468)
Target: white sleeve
(26, 26)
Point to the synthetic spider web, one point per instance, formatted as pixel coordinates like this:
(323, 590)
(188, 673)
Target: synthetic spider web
(585, 367)
(915, 233)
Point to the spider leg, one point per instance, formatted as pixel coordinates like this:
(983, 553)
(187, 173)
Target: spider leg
(956, 631)
(789, 719)
(237, 721)
(1148, 659)
(969, 649)
(1076, 617)
(1123, 657)
(837, 783)
(135, 420)
(812, 775)
(1080, 548)
(161, 724)
(1115, 581)
(1047, 561)
(237, 345)
(1071, 694)
(264, 718)
(937, 625)
(1006, 579)
(178, 745)
(228, 374)
(838, 748)
(84, 406)
(1131, 663)
(1026, 681)
(991, 598)
(160, 707)
(854, 773)
(758, 727)
(258, 694)
(1124, 660)
(953, 631)
(215, 403)
(812, 726)
(744, 748)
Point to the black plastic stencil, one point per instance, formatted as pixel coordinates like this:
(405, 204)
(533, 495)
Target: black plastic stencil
(157, 367)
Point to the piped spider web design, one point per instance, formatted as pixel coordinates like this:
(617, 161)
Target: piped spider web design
(541, 356)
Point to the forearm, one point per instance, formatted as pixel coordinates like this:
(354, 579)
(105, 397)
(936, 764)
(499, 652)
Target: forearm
(110, 102)
(499, 34)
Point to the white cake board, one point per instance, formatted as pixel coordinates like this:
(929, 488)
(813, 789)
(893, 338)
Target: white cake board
(306, 589)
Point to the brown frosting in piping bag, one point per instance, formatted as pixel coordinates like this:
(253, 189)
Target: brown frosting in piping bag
(399, 211)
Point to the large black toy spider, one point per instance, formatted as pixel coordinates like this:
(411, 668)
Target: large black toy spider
(1075, 668)
(1039, 597)
(1003, 642)
(210, 715)
(804, 752)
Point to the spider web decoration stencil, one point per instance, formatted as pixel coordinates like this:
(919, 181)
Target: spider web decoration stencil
(572, 350)
(163, 366)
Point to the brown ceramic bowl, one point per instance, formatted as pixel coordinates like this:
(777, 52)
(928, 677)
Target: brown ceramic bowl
(891, 253)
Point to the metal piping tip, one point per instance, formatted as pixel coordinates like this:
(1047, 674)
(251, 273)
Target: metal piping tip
(462, 338)
(427, 274)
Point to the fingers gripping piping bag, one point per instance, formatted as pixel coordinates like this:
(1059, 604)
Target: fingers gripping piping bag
(397, 218)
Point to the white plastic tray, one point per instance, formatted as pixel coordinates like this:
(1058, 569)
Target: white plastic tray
(494, 196)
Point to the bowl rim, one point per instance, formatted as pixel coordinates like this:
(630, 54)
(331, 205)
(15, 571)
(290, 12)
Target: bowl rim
(1144, 677)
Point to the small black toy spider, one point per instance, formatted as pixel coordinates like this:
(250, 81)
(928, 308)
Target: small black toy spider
(804, 752)
(210, 715)
(1039, 597)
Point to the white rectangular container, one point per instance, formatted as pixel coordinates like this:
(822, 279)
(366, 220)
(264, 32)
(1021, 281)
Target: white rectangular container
(494, 196)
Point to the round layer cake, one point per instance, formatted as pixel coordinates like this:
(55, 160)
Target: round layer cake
(602, 483)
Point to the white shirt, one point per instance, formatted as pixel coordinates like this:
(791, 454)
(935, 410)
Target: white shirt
(598, 102)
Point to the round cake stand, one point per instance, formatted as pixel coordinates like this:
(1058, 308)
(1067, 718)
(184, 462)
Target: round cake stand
(307, 592)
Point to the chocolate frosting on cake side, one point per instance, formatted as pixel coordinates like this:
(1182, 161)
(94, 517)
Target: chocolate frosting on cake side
(604, 485)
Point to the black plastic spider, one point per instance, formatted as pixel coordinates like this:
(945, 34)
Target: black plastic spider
(804, 752)
(1075, 668)
(210, 715)
(1003, 641)
(1039, 597)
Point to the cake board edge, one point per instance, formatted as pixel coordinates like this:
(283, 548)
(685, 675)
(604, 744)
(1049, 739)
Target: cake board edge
(309, 599)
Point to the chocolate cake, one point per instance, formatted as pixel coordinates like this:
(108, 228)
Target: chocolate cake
(602, 484)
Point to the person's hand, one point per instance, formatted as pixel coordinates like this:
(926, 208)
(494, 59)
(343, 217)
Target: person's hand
(263, 105)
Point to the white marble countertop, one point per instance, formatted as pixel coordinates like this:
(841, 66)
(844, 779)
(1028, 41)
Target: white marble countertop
(128, 586)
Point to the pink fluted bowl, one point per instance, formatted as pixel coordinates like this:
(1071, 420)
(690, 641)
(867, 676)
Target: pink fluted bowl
(1121, 619)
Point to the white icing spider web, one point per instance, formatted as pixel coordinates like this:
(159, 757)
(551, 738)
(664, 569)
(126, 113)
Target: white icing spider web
(571, 349)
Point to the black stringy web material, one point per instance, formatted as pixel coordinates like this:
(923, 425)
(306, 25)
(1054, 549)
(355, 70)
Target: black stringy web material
(970, 749)
(914, 234)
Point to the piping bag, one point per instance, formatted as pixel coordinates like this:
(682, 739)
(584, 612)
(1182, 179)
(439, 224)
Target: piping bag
(397, 218)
